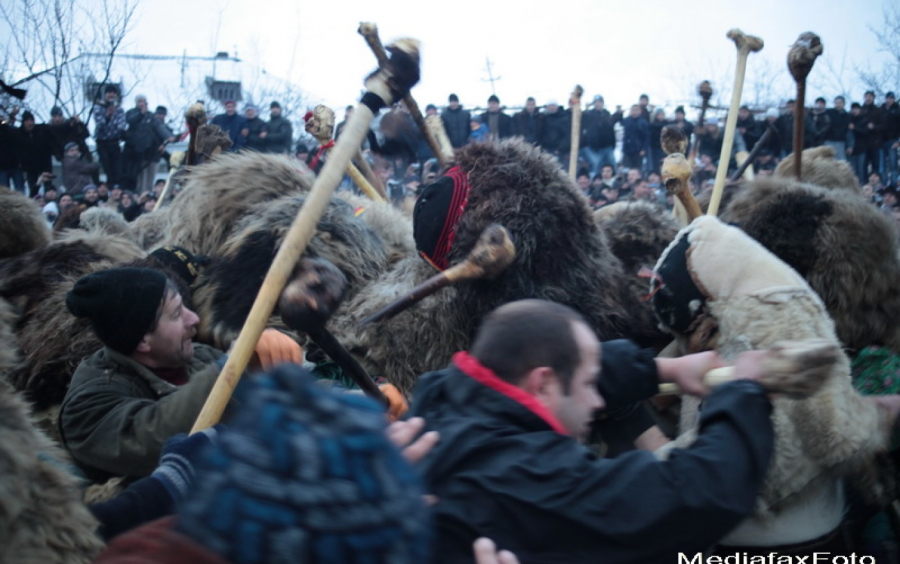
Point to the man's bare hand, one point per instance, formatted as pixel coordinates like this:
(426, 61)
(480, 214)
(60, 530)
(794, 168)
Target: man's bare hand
(486, 553)
(403, 433)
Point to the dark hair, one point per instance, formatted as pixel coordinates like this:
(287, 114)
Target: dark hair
(820, 99)
(521, 336)
(530, 99)
(872, 92)
(841, 98)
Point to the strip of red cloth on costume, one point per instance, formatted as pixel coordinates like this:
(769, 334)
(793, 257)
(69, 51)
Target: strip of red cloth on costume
(457, 207)
(484, 375)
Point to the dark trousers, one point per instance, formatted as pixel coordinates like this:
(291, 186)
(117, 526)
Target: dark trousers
(13, 179)
(111, 160)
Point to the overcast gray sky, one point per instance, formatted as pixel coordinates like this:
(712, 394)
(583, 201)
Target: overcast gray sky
(620, 49)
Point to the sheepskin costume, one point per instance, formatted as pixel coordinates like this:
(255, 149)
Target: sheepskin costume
(821, 169)
(718, 288)
(22, 225)
(42, 519)
(216, 195)
(841, 244)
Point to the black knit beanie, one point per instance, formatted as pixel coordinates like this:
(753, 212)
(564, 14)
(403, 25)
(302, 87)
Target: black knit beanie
(121, 304)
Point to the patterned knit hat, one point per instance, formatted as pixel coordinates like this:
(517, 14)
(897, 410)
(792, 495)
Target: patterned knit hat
(304, 474)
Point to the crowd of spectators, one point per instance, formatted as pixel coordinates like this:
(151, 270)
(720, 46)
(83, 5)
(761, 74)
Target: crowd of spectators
(619, 154)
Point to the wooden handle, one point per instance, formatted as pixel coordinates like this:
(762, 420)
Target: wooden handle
(715, 377)
(363, 183)
(575, 141)
(728, 142)
(295, 242)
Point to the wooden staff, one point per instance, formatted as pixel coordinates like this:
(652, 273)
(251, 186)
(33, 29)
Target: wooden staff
(436, 125)
(363, 165)
(320, 124)
(369, 31)
(174, 162)
(796, 369)
(705, 90)
(575, 107)
(769, 132)
(745, 45)
(493, 252)
(676, 170)
(383, 87)
(801, 57)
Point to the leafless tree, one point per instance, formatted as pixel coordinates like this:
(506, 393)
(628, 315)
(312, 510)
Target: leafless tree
(58, 47)
(888, 36)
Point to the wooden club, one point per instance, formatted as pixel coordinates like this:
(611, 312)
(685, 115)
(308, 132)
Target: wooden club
(801, 57)
(575, 108)
(746, 44)
(396, 77)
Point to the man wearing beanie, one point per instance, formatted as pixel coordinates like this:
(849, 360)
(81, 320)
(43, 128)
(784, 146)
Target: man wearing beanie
(280, 131)
(147, 383)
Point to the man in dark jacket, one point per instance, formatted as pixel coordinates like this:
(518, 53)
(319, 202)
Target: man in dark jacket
(685, 126)
(785, 127)
(456, 122)
(748, 127)
(109, 130)
(65, 131)
(35, 150)
(256, 129)
(635, 139)
(891, 137)
(527, 123)
(598, 136)
(821, 122)
(869, 130)
(656, 154)
(509, 465)
(837, 134)
(77, 172)
(280, 131)
(555, 132)
(232, 124)
(11, 174)
(499, 124)
(142, 146)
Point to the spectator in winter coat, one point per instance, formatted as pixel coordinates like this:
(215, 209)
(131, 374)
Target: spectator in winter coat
(35, 146)
(891, 111)
(65, 131)
(635, 139)
(10, 166)
(499, 124)
(748, 127)
(869, 135)
(555, 132)
(142, 146)
(77, 173)
(232, 124)
(837, 134)
(108, 132)
(456, 122)
(528, 122)
(280, 131)
(685, 126)
(255, 128)
(657, 155)
(821, 122)
(785, 126)
(598, 136)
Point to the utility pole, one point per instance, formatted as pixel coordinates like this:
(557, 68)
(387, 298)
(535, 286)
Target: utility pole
(491, 77)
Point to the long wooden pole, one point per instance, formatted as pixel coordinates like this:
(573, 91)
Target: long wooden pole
(574, 145)
(295, 242)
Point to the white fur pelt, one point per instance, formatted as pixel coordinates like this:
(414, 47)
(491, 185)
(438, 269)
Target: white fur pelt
(42, 520)
(757, 301)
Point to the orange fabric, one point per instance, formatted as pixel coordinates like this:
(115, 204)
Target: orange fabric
(274, 348)
(397, 405)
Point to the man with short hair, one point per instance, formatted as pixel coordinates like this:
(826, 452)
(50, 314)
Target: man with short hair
(837, 134)
(142, 142)
(255, 128)
(456, 122)
(232, 124)
(527, 123)
(869, 129)
(108, 132)
(635, 139)
(280, 132)
(556, 132)
(511, 414)
(35, 146)
(821, 122)
(77, 173)
(65, 131)
(147, 383)
(498, 123)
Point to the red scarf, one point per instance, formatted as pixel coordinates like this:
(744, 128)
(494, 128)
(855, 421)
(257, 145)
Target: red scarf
(484, 375)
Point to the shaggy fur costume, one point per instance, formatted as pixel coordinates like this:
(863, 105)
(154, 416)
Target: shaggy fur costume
(216, 195)
(821, 168)
(42, 520)
(638, 233)
(844, 247)
(22, 225)
(755, 301)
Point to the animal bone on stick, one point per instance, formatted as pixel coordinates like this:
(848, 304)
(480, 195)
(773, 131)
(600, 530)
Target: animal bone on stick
(745, 45)
(436, 125)
(306, 304)
(705, 90)
(384, 86)
(796, 369)
(320, 124)
(676, 174)
(575, 106)
(493, 252)
(363, 165)
(801, 57)
(369, 31)
(195, 116)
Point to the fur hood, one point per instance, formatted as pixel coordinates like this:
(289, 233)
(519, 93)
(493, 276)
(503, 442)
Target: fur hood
(22, 225)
